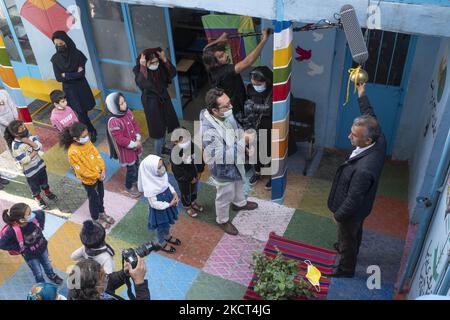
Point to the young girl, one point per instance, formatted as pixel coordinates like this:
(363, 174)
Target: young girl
(187, 174)
(23, 234)
(89, 167)
(154, 183)
(62, 115)
(27, 150)
(124, 140)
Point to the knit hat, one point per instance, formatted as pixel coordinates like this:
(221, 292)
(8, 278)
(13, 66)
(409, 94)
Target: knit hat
(43, 291)
(92, 234)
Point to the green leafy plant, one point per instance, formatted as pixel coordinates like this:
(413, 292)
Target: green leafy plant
(277, 278)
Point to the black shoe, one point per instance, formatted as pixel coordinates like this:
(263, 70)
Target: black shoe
(3, 181)
(338, 273)
(56, 279)
(254, 179)
(51, 196)
(42, 204)
(268, 185)
(166, 151)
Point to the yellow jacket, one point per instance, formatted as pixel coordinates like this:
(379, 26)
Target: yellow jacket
(87, 162)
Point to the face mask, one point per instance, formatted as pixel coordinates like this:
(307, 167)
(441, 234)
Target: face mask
(84, 140)
(313, 275)
(24, 134)
(184, 145)
(161, 171)
(228, 114)
(260, 88)
(31, 217)
(153, 67)
(62, 48)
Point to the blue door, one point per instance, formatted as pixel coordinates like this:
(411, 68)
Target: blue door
(116, 33)
(390, 56)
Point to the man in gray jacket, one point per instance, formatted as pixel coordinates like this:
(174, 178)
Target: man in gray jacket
(225, 147)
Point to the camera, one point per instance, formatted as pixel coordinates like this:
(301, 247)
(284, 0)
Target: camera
(130, 255)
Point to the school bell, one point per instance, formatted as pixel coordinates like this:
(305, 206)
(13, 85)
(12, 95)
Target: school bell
(359, 76)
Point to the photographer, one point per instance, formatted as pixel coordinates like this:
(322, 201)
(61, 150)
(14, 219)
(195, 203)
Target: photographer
(92, 283)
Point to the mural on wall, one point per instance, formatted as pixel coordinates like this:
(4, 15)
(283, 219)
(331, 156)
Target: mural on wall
(314, 69)
(47, 16)
(302, 54)
(432, 118)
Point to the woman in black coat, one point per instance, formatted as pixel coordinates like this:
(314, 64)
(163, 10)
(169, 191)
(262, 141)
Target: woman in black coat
(153, 75)
(69, 68)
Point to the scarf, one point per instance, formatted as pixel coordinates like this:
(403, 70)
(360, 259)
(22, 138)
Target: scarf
(72, 58)
(148, 181)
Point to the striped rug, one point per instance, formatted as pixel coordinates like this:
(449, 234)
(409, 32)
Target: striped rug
(322, 258)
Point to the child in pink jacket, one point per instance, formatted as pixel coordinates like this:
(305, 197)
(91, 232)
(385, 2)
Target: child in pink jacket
(62, 115)
(124, 140)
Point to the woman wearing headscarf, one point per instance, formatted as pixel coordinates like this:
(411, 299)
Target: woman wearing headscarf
(153, 74)
(69, 68)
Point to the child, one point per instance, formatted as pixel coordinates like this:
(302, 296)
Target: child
(154, 183)
(94, 247)
(124, 140)
(27, 150)
(62, 115)
(8, 113)
(89, 167)
(23, 235)
(187, 175)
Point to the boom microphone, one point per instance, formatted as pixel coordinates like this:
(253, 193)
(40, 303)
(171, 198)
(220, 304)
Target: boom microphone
(354, 34)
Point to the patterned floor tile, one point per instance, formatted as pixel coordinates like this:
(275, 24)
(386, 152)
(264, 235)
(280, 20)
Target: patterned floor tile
(3, 145)
(48, 137)
(167, 278)
(116, 205)
(117, 182)
(61, 245)
(232, 258)
(8, 266)
(394, 181)
(356, 289)
(389, 216)
(266, 218)
(315, 197)
(328, 165)
(71, 195)
(312, 229)
(18, 286)
(56, 160)
(52, 224)
(8, 167)
(295, 189)
(209, 287)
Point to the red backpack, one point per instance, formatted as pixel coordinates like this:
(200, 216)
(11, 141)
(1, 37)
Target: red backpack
(19, 236)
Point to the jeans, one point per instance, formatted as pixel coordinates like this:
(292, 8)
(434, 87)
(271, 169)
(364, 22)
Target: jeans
(37, 182)
(349, 241)
(95, 193)
(159, 144)
(35, 266)
(163, 233)
(132, 175)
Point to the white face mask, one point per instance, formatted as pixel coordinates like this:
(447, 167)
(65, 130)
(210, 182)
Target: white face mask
(161, 171)
(84, 140)
(260, 88)
(153, 67)
(185, 144)
(228, 113)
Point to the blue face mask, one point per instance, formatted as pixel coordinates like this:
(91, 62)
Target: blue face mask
(31, 217)
(260, 88)
(228, 114)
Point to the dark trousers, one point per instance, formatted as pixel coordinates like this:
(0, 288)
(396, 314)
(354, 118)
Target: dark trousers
(83, 117)
(268, 141)
(349, 240)
(188, 193)
(95, 194)
(132, 175)
(38, 182)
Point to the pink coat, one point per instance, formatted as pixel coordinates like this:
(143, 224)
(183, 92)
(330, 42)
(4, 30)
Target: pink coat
(125, 131)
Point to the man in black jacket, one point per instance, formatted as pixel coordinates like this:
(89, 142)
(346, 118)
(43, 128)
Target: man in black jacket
(355, 185)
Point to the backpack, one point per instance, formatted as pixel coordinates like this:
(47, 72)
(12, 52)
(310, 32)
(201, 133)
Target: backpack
(19, 236)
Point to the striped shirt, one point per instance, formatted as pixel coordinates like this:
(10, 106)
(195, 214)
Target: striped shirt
(21, 152)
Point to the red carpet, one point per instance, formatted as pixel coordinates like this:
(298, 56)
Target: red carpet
(322, 258)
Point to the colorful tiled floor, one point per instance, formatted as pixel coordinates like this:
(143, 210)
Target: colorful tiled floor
(210, 264)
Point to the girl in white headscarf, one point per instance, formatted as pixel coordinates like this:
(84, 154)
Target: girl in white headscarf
(163, 200)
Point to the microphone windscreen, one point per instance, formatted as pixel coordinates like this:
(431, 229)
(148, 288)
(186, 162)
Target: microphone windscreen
(354, 34)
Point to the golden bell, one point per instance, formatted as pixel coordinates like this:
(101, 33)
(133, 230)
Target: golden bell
(361, 76)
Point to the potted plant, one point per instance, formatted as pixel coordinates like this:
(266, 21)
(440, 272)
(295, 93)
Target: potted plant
(278, 278)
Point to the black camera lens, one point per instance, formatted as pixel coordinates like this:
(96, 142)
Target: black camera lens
(131, 255)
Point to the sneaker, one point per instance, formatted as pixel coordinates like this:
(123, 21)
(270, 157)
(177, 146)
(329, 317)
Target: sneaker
(42, 204)
(51, 196)
(107, 218)
(268, 185)
(249, 206)
(254, 179)
(133, 192)
(229, 228)
(103, 222)
(3, 181)
(56, 279)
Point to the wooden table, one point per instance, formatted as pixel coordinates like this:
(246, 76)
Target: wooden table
(183, 66)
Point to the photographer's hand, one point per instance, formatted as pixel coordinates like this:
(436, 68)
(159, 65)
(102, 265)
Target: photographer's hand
(138, 273)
